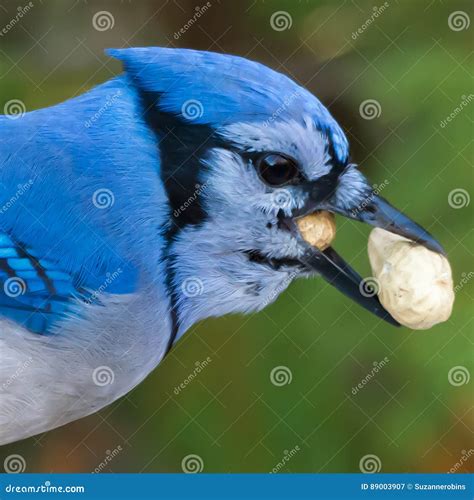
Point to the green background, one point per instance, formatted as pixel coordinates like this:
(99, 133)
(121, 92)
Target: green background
(231, 415)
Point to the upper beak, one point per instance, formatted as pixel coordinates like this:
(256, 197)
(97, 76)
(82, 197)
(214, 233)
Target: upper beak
(376, 211)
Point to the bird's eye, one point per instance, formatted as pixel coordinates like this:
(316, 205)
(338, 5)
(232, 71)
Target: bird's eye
(275, 169)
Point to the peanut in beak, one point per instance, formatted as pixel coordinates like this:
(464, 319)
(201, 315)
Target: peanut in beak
(318, 229)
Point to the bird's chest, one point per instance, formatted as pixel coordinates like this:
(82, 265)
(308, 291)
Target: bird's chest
(48, 381)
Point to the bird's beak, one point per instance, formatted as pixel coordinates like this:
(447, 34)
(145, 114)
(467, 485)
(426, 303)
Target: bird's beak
(378, 212)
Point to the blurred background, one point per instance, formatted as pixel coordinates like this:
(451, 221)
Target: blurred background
(311, 384)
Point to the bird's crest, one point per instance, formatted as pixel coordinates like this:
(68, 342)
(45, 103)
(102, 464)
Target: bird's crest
(219, 89)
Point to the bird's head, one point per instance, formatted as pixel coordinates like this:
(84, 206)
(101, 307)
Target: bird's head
(244, 152)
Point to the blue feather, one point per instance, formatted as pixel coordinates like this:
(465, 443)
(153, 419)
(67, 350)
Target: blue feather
(228, 89)
(53, 161)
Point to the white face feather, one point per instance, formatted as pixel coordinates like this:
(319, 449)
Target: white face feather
(352, 189)
(241, 217)
(213, 275)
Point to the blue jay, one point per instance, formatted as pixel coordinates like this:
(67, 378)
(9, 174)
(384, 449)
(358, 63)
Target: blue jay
(164, 196)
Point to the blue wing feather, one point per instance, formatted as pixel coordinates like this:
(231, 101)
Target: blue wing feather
(53, 236)
(35, 292)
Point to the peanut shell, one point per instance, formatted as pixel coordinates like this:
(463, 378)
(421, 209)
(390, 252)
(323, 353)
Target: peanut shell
(415, 284)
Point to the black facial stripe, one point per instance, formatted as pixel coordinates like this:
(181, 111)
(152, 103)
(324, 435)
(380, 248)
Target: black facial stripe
(260, 258)
(182, 146)
(324, 187)
(173, 296)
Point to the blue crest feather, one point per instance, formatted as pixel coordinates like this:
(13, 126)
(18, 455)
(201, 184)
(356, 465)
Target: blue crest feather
(229, 88)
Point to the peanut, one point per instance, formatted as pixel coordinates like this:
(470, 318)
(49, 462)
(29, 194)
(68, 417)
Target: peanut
(318, 229)
(415, 284)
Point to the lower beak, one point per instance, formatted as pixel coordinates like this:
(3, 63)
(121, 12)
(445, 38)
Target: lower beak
(377, 212)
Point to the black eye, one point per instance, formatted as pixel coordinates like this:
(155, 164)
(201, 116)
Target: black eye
(275, 169)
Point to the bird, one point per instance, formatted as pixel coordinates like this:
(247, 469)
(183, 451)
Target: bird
(161, 197)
